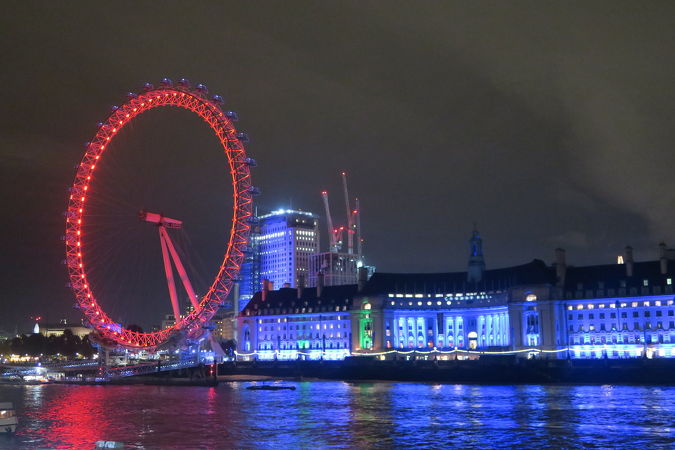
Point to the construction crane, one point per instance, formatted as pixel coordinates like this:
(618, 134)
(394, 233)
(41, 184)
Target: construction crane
(332, 232)
(353, 228)
(350, 216)
(359, 240)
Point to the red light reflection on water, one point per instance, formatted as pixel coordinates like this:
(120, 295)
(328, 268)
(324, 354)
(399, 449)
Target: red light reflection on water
(76, 418)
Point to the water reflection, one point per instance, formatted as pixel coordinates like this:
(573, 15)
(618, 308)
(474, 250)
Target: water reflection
(339, 414)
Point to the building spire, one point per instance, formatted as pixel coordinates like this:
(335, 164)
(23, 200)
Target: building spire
(476, 261)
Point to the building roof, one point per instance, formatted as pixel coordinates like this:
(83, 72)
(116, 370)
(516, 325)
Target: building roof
(287, 299)
(614, 275)
(285, 212)
(597, 278)
(535, 272)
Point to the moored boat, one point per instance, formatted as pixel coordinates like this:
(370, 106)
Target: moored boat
(267, 387)
(8, 419)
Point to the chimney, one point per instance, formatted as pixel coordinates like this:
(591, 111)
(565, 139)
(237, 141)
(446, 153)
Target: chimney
(266, 288)
(628, 260)
(319, 284)
(560, 266)
(301, 285)
(663, 259)
(362, 278)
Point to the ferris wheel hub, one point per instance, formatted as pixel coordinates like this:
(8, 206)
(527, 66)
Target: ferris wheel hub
(159, 219)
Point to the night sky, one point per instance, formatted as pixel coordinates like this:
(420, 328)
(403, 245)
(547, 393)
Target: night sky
(549, 124)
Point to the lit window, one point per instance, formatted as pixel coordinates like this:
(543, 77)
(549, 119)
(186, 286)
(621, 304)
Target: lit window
(580, 306)
(531, 298)
(645, 282)
(634, 304)
(590, 306)
(669, 281)
(657, 303)
(646, 303)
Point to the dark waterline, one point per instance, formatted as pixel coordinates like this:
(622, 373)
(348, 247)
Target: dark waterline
(339, 414)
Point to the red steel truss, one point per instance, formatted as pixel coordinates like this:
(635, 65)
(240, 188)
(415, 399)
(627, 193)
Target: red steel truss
(190, 326)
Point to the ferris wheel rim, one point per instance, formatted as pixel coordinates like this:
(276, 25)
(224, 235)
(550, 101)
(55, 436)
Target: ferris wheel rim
(230, 141)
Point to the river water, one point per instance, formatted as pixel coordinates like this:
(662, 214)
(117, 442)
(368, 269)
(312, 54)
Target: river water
(322, 414)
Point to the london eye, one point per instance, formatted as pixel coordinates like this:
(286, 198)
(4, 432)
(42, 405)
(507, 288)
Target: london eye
(190, 324)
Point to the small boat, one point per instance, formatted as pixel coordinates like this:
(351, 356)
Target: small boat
(8, 419)
(267, 387)
(108, 444)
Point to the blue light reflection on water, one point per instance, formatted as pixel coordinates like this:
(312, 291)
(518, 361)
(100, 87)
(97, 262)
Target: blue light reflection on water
(339, 414)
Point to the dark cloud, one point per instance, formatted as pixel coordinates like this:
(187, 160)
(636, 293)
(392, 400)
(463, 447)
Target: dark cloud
(547, 123)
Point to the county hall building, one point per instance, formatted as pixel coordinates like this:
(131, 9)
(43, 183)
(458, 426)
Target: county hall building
(622, 310)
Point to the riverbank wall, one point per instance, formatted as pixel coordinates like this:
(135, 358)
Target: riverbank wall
(484, 371)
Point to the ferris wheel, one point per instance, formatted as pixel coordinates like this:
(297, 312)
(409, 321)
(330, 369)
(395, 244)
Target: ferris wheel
(190, 325)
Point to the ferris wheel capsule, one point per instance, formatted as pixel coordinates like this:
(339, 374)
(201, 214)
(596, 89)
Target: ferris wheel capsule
(87, 144)
(217, 99)
(202, 89)
(114, 108)
(243, 137)
(184, 82)
(131, 95)
(251, 162)
(166, 82)
(148, 86)
(232, 116)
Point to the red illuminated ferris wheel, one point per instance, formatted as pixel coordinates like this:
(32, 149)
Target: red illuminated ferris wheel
(190, 326)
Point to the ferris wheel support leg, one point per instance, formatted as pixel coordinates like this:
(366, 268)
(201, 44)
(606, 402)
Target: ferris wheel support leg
(179, 267)
(169, 276)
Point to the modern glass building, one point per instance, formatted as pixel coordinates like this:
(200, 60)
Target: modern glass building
(282, 243)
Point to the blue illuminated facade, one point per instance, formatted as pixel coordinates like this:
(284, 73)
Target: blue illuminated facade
(620, 310)
(298, 324)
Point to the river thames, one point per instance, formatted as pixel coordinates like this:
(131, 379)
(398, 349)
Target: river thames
(338, 414)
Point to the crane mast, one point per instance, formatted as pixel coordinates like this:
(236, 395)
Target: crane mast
(332, 238)
(350, 216)
(359, 242)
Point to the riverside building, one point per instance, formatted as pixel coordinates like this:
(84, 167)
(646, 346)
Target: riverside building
(622, 310)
